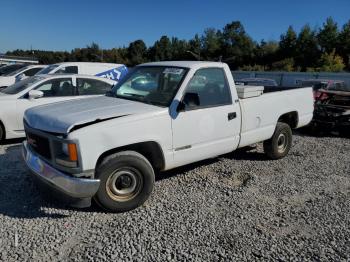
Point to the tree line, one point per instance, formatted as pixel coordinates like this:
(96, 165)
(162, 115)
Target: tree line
(311, 49)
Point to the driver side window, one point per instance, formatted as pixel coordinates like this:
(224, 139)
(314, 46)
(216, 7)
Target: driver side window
(211, 86)
(57, 87)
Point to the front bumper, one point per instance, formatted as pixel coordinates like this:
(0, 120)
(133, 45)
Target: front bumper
(71, 187)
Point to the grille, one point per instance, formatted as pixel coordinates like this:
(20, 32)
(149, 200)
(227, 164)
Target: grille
(39, 144)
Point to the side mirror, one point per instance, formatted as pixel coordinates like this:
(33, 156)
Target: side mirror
(189, 100)
(34, 94)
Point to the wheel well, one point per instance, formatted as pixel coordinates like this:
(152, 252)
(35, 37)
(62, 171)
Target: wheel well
(151, 150)
(3, 129)
(290, 118)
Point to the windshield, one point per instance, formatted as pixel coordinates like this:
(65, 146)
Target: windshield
(20, 86)
(47, 70)
(156, 85)
(10, 68)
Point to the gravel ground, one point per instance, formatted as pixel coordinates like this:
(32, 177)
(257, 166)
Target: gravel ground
(240, 206)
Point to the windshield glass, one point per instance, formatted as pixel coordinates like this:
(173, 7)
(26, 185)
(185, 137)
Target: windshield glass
(46, 70)
(20, 86)
(156, 85)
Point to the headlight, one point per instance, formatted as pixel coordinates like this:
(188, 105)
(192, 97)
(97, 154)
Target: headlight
(66, 154)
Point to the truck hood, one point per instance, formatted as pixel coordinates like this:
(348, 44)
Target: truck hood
(62, 117)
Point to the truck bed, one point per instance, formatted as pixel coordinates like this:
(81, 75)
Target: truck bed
(261, 113)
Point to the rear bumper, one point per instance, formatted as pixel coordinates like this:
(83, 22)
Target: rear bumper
(71, 187)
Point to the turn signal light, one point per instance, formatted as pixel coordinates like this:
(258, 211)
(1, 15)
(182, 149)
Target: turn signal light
(73, 153)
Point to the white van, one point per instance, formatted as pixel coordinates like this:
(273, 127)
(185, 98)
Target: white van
(107, 70)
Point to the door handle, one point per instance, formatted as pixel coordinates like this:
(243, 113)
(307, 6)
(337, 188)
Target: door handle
(231, 116)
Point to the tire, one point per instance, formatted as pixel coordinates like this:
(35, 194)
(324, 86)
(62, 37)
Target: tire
(279, 145)
(127, 180)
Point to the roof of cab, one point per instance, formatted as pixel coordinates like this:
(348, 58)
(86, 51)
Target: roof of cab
(187, 64)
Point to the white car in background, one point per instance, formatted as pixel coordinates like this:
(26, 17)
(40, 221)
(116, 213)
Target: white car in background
(20, 74)
(107, 70)
(41, 90)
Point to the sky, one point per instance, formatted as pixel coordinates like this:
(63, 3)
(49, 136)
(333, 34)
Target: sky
(67, 24)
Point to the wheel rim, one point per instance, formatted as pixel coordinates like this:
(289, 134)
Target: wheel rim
(281, 143)
(124, 184)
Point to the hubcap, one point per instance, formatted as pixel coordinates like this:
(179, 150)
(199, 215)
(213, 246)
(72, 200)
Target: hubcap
(124, 184)
(281, 143)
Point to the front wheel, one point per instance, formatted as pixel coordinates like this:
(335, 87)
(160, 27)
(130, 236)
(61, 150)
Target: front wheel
(280, 143)
(127, 180)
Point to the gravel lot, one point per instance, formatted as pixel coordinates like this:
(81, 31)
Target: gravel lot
(239, 206)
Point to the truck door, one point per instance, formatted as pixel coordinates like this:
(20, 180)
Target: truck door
(210, 127)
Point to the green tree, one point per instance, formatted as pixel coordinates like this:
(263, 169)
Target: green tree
(344, 44)
(93, 53)
(179, 48)
(195, 48)
(307, 53)
(331, 62)
(265, 53)
(252, 68)
(137, 53)
(211, 44)
(237, 45)
(328, 35)
(283, 65)
(162, 49)
(287, 44)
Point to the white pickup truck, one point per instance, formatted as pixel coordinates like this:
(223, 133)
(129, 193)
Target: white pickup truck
(160, 116)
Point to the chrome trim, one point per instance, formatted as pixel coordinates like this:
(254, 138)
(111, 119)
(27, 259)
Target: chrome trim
(71, 186)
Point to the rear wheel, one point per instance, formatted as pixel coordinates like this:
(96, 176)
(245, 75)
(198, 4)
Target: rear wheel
(279, 145)
(127, 180)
